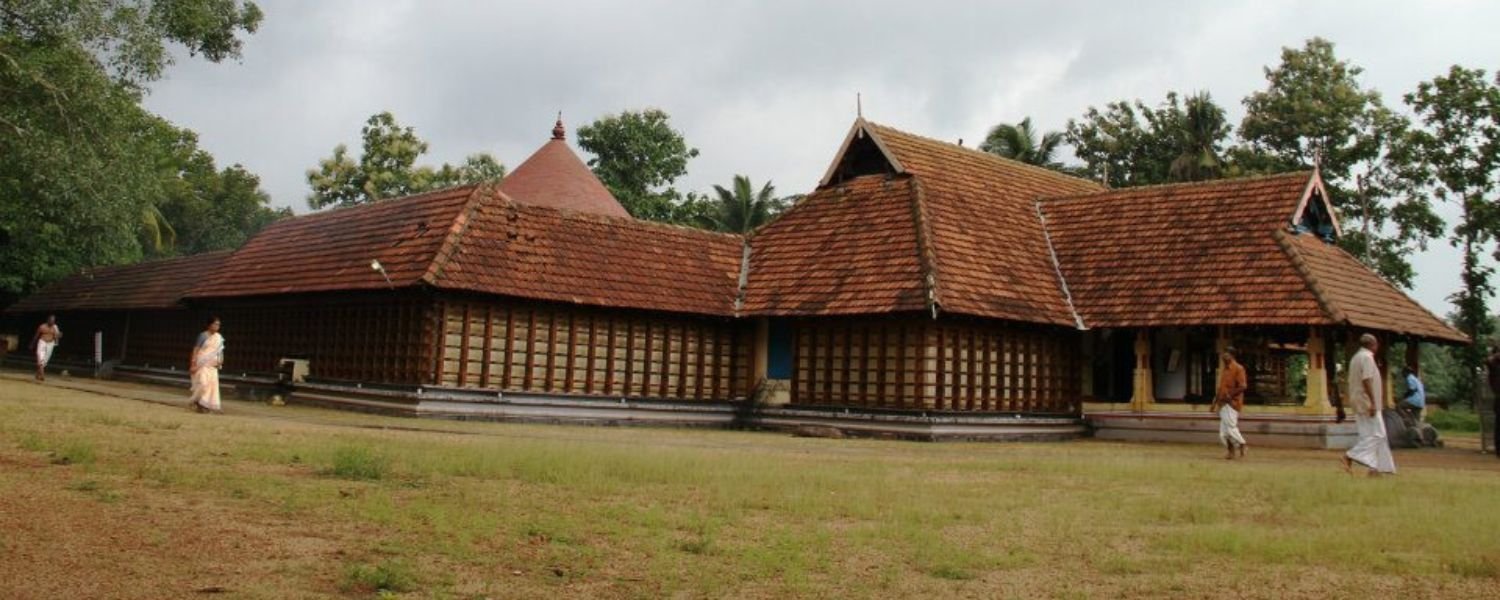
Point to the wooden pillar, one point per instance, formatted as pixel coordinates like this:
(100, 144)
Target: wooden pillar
(1143, 394)
(1317, 375)
(1414, 356)
(1391, 369)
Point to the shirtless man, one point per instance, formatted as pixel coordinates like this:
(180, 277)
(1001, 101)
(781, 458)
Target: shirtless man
(45, 340)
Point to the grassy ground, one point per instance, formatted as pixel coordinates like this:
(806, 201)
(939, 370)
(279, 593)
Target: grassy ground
(104, 495)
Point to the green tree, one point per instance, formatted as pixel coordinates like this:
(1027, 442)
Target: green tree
(387, 168)
(1458, 149)
(210, 209)
(1020, 142)
(79, 178)
(1129, 143)
(1200, 132)
(1315, 112)
(742, 209)
(638, 156)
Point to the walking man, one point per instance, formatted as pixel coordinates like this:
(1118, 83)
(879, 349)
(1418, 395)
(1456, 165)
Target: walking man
(1366, 395)
(45, 340)
(1229, 401)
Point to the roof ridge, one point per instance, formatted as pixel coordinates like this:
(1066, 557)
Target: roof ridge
(989, 156)
(1062, 281)
(1299, 264)
(926, 254)
(1180, 184)
(456, 230)
(385, 202)
(571, 213)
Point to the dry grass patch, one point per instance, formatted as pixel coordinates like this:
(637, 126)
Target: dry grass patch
(296, 502)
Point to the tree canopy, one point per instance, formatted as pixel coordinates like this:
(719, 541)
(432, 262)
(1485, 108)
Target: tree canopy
(741, 208)
(1130, 143)
(1021, 142)
(1458, 151)
(638, 156)
(387, 168)
(81, 177)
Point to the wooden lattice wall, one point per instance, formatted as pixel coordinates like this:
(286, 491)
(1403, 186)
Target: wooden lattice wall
(537, 347)
(970, 366)
(373, 337)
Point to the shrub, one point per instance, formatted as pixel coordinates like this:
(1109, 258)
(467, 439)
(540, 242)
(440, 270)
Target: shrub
(358, 462)
(1454, 419)
(388, 576)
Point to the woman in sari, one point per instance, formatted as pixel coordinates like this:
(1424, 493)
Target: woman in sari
(208, 356)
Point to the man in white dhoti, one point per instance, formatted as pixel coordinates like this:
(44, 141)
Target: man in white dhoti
(208, 356)
(1366, 397)
(1229, 401)
(44, 342)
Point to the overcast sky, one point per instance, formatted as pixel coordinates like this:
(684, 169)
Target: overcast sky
(767, 88)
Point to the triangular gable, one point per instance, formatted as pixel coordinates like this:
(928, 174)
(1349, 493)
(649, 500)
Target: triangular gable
(1315, 196)
(862, 153)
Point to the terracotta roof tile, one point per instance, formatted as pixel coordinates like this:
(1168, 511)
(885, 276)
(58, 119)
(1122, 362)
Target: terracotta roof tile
(990, 253)
(1182, 254)
(529, 251)
(555, 177)
(847, 249)
(332, 250)
(153, 284)
(1353, 294)
(1217, 253)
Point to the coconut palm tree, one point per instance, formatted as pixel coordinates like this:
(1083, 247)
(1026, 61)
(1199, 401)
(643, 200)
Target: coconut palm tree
(1201, 129)
(1020, 142)
(742, 209)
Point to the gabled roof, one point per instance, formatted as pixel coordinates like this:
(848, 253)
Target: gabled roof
(147, 285)
(1352, 294)
(846, 249)
(474, 238)
(555, 177)
(526, 251)
(1182, 254)
(986, 250)
(332, 250)
(1218, 253)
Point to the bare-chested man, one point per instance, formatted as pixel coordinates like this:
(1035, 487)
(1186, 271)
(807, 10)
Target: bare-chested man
(45, 340)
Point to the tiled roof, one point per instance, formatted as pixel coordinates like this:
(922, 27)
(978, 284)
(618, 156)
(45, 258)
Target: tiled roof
(473, 238)
(554, 176)
(847, 249)
(1351, 293)
(989, 251)
(536, 252)
(154, 284)
(1183, 254)
(332, 250)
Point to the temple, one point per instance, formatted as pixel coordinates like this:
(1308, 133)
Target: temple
(922, 290)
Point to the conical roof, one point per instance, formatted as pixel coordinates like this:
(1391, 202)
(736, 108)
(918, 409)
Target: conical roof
(555, 177)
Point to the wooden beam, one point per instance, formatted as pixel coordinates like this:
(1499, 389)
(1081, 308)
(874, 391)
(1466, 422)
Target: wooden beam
(698, 368)
(489, 344)
(942, 366)
(588, 378)
(530, 371)
(682, 359)
(609, 356)
(901, 363)
(572, 347)
(552, 350)
(881, 364)
(848, 360)
(629, 355)
(510, 341)
(646, 362)
(666, 360)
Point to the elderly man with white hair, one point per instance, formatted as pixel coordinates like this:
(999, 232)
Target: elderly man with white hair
(1366, 395)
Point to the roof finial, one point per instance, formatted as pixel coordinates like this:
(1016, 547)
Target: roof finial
(859, 106)
(557, 130)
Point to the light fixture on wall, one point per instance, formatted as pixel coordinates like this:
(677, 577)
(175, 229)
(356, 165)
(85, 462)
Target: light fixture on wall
(376, 266)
